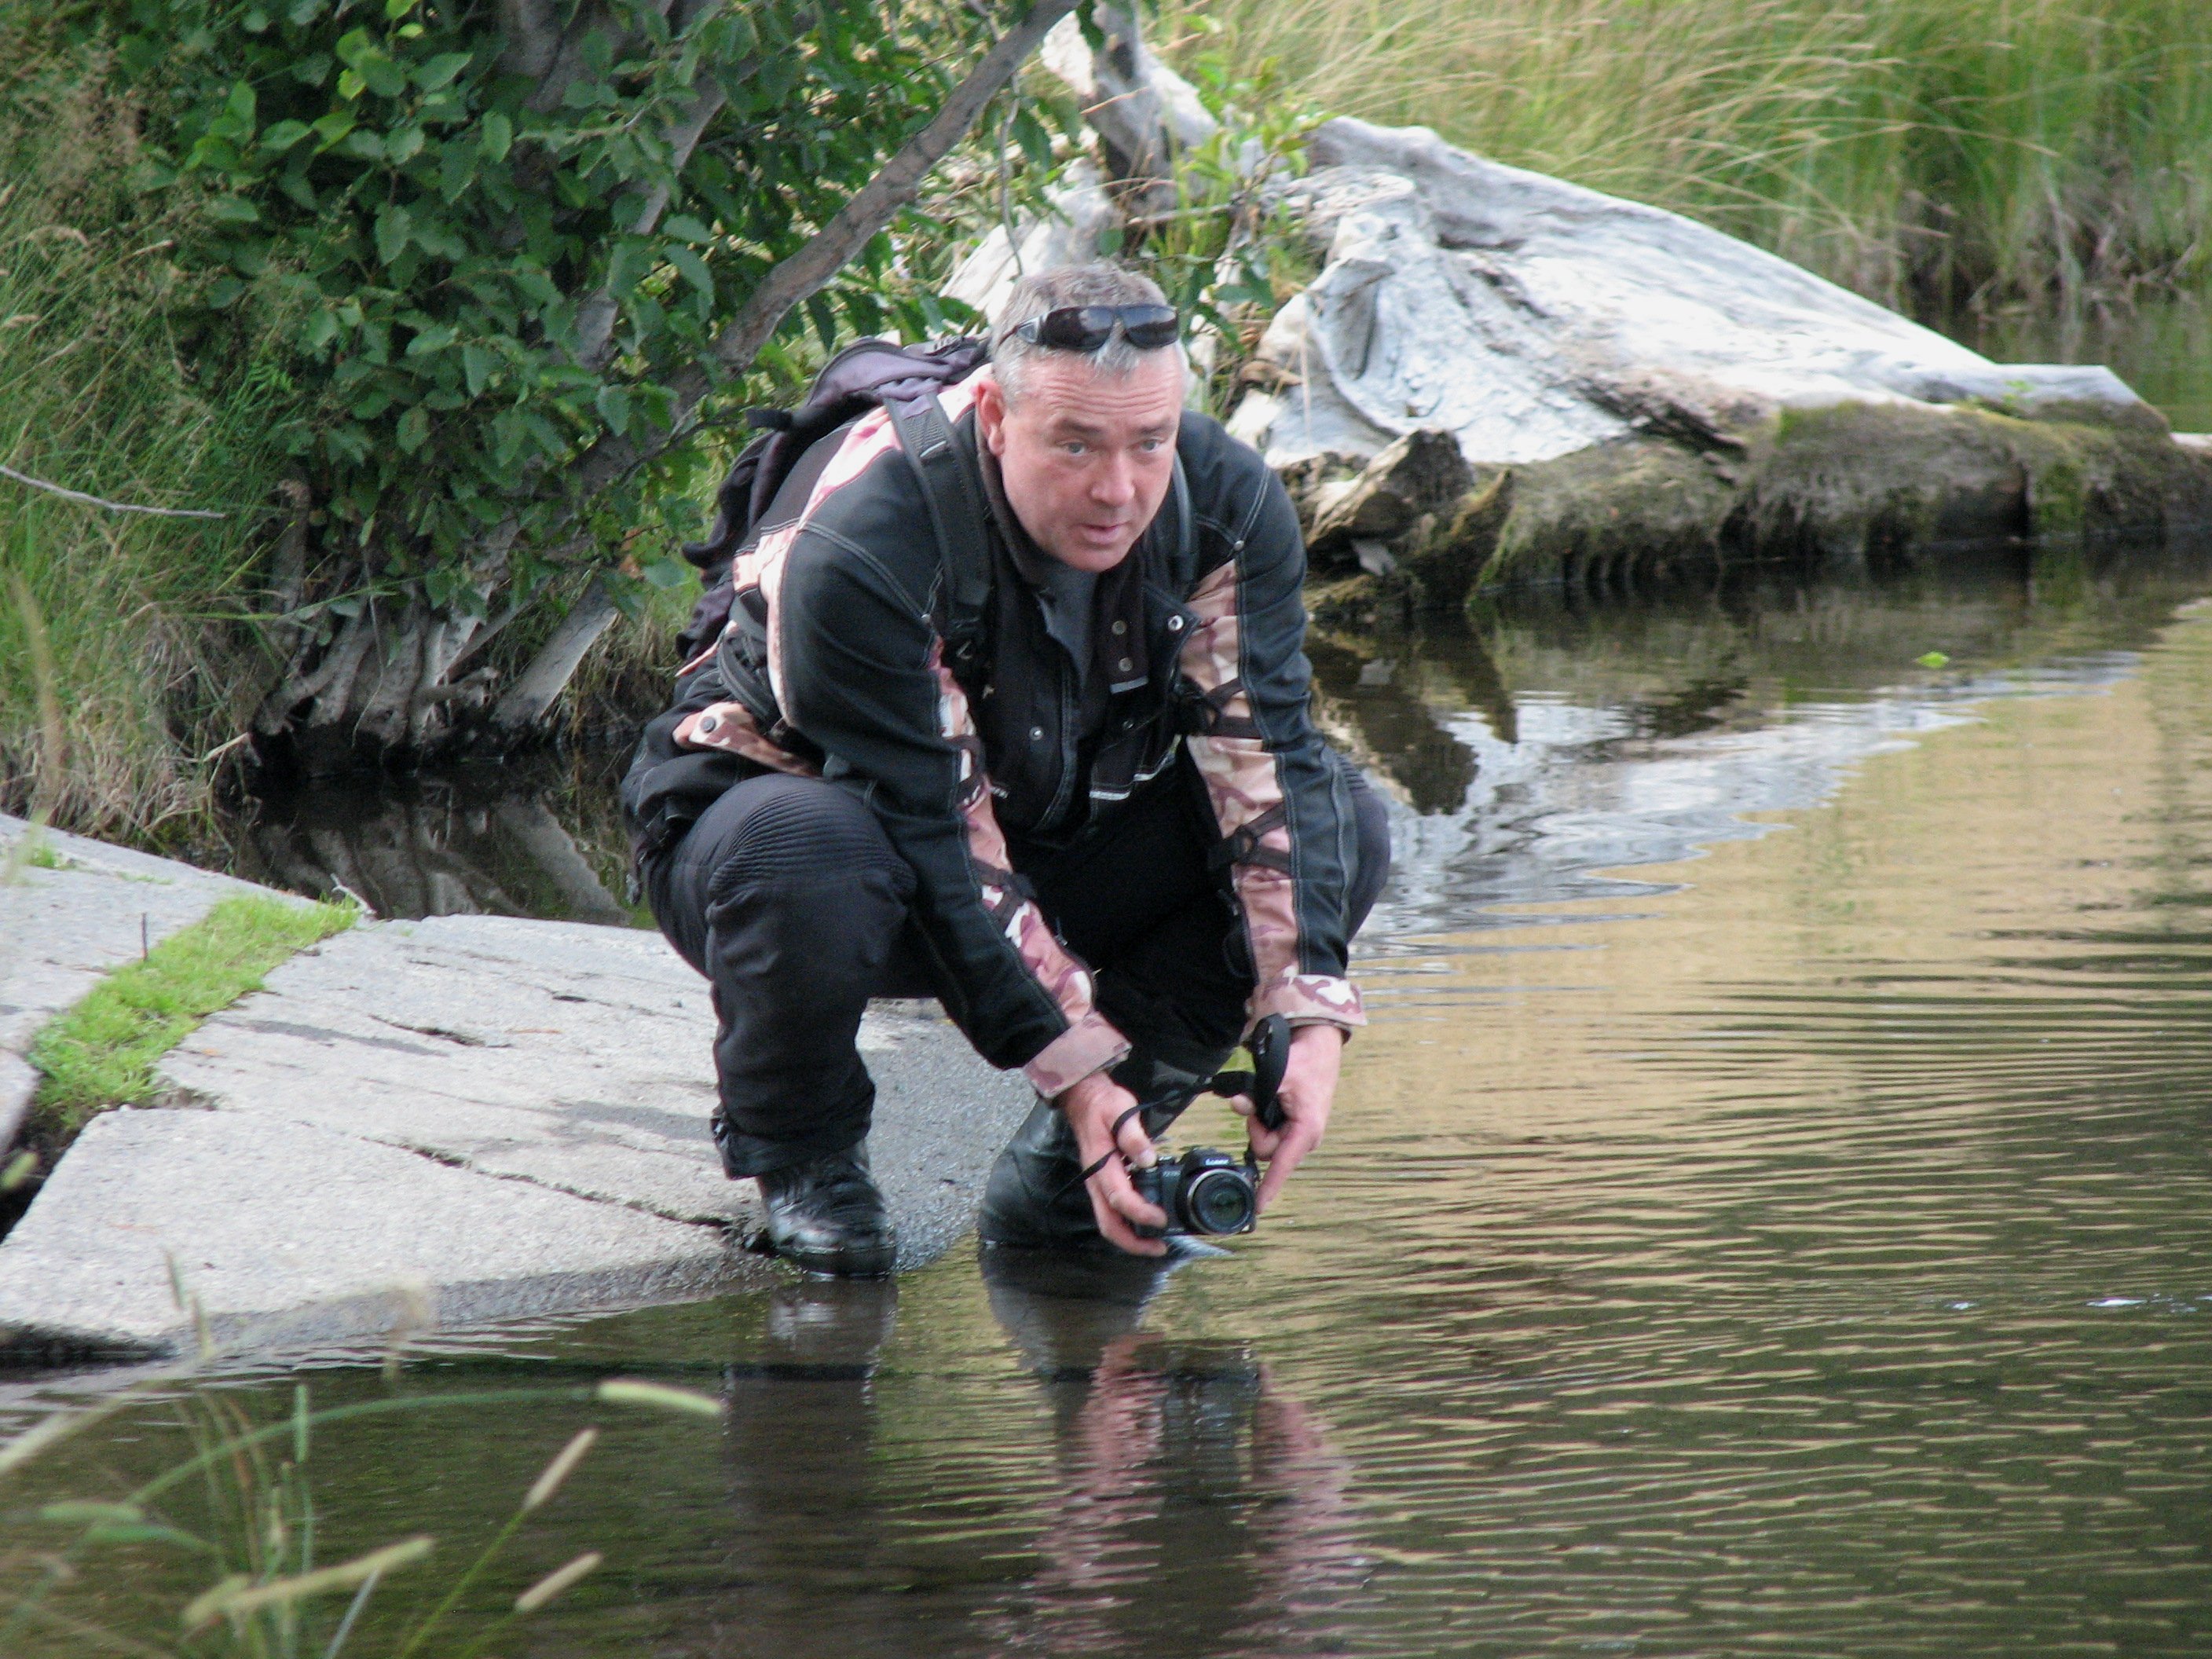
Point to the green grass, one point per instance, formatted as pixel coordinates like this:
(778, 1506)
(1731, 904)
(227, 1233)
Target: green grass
(153, 660)
(1925, 152)
(102, 1052)
(242, 1512)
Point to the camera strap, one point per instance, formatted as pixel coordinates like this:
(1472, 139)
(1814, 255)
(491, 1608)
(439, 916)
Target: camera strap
(1114, 1146)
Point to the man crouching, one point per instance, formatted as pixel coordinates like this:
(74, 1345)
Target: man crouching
(1098, 824)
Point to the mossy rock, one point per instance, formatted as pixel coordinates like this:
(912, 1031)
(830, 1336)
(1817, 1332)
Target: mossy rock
(1636, 506)
(1854, 488)
(1871, 486)
(1434, 563)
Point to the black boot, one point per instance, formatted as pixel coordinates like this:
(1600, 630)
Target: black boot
(826, 1216)
(1034, 1200)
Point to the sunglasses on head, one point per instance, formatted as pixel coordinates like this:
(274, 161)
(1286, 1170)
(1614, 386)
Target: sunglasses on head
(1087, 328)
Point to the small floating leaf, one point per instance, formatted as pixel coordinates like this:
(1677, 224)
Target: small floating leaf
(1933, 659)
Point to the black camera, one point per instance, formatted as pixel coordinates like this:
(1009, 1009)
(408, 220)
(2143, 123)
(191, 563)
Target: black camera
(1203, 1191)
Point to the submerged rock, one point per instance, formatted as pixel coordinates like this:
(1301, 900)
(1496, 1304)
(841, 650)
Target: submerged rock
(1658, 392)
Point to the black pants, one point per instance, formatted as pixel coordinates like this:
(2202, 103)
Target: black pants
(788, 897)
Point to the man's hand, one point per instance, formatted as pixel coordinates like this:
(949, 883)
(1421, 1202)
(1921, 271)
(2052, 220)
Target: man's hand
(1308, 1091)
(1092, 1106)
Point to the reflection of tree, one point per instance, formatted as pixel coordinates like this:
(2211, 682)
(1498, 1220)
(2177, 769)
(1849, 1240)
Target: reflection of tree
(1199, 1510)
(1365, 706)
(468, 843)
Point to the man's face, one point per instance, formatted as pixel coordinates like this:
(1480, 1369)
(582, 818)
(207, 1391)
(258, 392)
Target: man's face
(1086, 457)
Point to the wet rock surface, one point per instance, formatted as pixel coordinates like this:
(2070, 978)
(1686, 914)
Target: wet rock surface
(429, 1122)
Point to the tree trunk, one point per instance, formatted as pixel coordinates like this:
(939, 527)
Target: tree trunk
(525, 702)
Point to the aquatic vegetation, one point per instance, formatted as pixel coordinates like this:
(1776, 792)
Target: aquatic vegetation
(244, 1505)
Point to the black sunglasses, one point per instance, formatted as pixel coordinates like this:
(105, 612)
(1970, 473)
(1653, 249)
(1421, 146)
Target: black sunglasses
(1086, 328)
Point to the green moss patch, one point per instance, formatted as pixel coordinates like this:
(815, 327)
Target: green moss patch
(103, 1051)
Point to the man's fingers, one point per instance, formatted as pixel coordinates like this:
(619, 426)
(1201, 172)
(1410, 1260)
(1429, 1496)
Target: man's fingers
(1112, 1183)
(1115, 1205)
(1291, 1146)
(1135, 1144)
(1265, 1141)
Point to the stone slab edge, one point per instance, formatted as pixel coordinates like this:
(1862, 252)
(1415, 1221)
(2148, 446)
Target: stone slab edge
(151, 1199)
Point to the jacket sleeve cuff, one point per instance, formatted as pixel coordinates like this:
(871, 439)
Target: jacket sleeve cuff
(1091, 1044)
(1310, 999)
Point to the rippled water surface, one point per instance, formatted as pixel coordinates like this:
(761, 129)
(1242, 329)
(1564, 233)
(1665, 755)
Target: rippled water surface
(1768, 1213)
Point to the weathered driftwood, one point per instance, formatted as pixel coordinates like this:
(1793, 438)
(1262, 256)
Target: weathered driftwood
(1500, 375)
(1661, 393)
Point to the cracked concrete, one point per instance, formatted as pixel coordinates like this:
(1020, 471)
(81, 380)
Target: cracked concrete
(448, 1121)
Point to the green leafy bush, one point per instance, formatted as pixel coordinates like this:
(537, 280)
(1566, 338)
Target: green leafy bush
(485, 259)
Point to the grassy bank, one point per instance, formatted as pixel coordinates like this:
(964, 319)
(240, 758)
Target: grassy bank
(118, 382)
(98, 393)
(101, 1052)
(1928, 152)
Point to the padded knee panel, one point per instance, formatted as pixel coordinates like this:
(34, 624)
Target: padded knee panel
(802, 831)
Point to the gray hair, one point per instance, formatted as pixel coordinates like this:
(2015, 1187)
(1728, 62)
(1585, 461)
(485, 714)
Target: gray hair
(1071, 285)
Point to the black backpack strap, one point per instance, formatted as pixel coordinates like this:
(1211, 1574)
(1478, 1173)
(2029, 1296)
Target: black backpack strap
(956, 513)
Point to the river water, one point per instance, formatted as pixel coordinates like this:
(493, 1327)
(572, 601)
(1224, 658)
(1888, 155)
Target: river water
(1767, 1213)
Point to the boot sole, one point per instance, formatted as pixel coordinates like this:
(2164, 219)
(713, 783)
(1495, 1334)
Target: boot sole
(873, 1262)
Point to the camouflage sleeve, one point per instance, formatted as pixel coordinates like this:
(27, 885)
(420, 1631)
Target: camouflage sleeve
(1280, 805)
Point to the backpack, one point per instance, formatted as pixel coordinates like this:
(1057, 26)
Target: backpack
(904, 381)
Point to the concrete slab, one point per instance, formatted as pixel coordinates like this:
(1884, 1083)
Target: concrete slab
(285, 1233)
(62, 929)
(575, 1056)
(532, 1097)
(18, 1081)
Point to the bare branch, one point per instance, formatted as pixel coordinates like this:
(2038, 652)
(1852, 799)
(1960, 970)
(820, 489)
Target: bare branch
(113, 506)
(824, 253)
(595, 318)
(531, 32)
(534, 689)
(878, 202)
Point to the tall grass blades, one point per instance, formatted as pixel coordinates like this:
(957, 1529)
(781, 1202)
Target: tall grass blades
(240, 1513)
(1930, 153)
(98, 393)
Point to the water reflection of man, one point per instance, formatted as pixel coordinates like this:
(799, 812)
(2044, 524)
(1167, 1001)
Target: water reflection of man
(1199, 1509)
(1195, 1509)
(1109, 842)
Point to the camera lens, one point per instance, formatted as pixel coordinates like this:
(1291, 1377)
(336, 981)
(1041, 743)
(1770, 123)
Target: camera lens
(1218, 1201)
